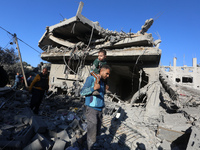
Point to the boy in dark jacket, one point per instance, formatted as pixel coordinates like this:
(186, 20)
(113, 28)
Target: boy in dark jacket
(97, 64)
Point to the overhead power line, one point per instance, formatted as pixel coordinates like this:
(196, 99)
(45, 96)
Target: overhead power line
(20, 40)
(29, 46)
(8, 43)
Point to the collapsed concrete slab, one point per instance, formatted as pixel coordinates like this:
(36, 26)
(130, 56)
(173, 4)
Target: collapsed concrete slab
(168, 134)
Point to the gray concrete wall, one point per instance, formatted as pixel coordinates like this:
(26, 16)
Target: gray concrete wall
(177, 74)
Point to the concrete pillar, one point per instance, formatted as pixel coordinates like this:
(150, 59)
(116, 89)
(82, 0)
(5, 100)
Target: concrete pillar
(194, 62)
(195, 75)
(174, 61)
(174, 69)
(153, 101)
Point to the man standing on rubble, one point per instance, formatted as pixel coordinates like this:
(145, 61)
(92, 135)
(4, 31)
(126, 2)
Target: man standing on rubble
(94, 104)
(38, 86)
(17, 81)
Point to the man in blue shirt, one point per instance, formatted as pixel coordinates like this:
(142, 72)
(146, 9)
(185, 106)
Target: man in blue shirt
(94, 104)
(17, 80)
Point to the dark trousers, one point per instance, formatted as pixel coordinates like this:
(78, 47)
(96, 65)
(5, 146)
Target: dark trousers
(94, 120)
(36, 99)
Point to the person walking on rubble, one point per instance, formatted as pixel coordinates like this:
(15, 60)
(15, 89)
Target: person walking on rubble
(17, 81)
(96, 66)
(38, 86)
(94, 104)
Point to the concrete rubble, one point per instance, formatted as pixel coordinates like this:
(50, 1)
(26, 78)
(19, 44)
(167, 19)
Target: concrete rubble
(145, 109)
(61, 122)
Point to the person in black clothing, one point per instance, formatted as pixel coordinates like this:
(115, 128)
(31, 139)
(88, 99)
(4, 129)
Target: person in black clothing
(38, 86)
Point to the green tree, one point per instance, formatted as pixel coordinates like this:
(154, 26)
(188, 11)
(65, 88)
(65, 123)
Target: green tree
(11, 64)
(8, 56)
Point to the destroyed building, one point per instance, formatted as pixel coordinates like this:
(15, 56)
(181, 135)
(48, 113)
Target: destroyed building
(145, 109)
(73, 44)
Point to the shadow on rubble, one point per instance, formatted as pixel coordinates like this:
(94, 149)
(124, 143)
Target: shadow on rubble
(169, 106)
(116, 139)
(182, 141)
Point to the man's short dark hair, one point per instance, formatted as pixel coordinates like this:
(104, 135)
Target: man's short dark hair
(106, 67)
(102, 51)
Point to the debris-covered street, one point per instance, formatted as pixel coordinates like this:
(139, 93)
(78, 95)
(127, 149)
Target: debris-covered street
(61, 123)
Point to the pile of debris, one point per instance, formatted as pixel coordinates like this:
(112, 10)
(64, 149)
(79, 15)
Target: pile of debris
(61, 124)
(54, 128)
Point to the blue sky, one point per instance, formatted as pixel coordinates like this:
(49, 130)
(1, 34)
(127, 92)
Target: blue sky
(177, 23)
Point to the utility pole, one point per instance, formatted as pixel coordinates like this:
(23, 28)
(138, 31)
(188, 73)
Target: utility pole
(16, 42)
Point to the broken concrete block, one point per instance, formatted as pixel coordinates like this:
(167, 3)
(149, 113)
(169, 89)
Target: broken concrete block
(73, 141)
(35, 145)
(19, 127)
(25, 135)
(63, 135)
(168, 134)
(46, 144)
(38, 124)
(59, 145)
(52, 133)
